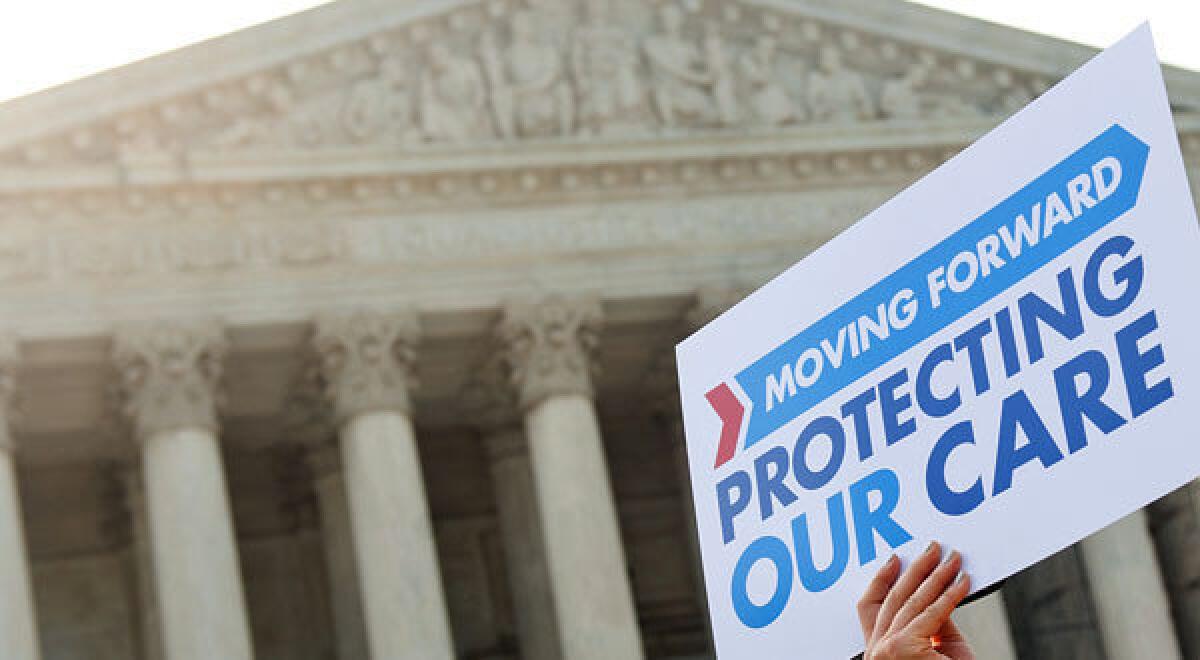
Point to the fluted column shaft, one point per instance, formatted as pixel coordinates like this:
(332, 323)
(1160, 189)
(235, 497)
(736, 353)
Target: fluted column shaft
(548, 351)
(338, 542)
(1127, 591)
(1175, 525)
(670, 410)
(170, 374)
(366, 363)
(18, 627)
(195, 555)
(143, 566)
(517, 507)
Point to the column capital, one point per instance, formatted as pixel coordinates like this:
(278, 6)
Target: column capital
(366, 360)
(170, 374)
(549, 346)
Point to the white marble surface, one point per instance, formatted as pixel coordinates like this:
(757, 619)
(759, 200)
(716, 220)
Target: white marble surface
(524, 545)
(593, 600)
(18, 630)
(340, 565)
(985, 624)
(195, 556)
(397, 561)
(1127, 591)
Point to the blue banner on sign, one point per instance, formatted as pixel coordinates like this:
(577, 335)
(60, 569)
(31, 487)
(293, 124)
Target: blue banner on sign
(1056, 211)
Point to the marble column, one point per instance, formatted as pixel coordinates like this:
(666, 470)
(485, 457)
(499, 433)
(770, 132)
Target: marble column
(524, 551)
(1127, 591)
(669, 410)
(338, 542)
(169, 375)
(150, 632)
(366, 362)
(548, 352)
(18, 628)
(320, 642)
(1175, 524)
(710, 303)
(985, 623)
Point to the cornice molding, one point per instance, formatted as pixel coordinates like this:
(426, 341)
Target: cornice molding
(283, 186)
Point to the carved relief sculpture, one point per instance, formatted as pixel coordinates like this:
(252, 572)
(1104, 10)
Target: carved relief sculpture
(286, 121)
(604, 61)
(531, 95)
(835, 93)
(381, 107)
(769, 101)
(724, 87)
(899, 98)
(554, 68)
(907, 97)
(678, 72)
(453, 97)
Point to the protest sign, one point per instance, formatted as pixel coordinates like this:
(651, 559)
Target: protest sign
(1003, 358)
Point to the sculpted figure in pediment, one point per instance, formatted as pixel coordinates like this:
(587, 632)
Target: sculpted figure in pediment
(381, 107)
(907, 97)
(273, 129)
(531, 95)
(678, 72)
(453, 97)
(604, 62)
(769, 101)
(836, 93)
(724, 86)
(901, 98)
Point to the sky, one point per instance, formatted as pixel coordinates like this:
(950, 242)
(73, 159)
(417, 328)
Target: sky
(44, 43)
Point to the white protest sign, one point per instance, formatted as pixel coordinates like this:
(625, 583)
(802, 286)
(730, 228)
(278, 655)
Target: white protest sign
(1003, 358)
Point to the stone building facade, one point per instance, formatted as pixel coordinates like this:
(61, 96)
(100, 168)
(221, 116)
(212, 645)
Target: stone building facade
(354, 330)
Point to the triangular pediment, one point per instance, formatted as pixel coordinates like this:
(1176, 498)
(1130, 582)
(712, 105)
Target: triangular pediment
(438, 75)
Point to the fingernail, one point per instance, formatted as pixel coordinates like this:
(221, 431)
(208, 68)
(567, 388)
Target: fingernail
(932, 545)
(953, 555)
(891, 561)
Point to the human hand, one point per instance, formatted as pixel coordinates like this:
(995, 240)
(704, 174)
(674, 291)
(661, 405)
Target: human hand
(907, 617)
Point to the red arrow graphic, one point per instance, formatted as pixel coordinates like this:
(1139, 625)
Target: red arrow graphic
(731, 411)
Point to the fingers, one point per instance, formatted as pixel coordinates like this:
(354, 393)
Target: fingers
(954, 645)
(937, 615)
(877, 590)
(912, 578)
(933, 587)
(949, 632)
